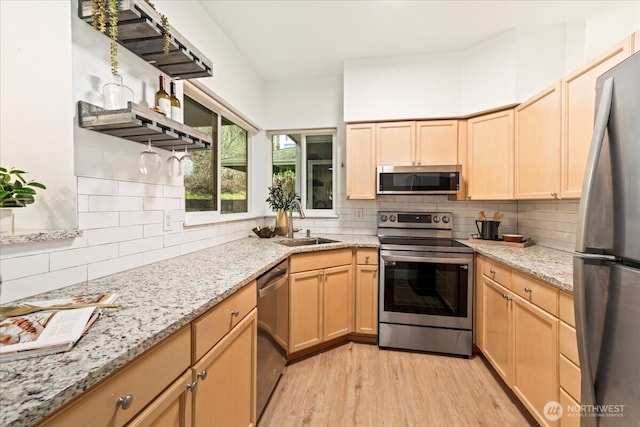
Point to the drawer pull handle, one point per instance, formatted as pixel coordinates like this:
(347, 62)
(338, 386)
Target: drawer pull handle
(507, 297)
(366, 259)
(125, 402)
(192, 386)
(554, 194)
(528, 290)
(492, 271)
(202, 375)
(235, 313)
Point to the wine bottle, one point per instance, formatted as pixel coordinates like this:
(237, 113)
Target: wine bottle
(176, 109)
(162, 99)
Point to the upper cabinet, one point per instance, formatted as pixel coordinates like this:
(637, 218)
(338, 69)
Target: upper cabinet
(436, 143)
(578, 112)
(396, 143)
(537, 146)
(361, 161)
(490, 156)
(140, 30)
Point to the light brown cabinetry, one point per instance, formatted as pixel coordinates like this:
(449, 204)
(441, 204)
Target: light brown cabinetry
(519, 335)
(171, 409)
(320, 297)
(366, 287)
(361, 161)
(490, 156)
(436, 143)
(395, 142)
(569, 362)
(537, 146)
(578, 112)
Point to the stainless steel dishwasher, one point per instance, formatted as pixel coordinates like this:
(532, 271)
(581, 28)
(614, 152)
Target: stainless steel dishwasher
(273, 331)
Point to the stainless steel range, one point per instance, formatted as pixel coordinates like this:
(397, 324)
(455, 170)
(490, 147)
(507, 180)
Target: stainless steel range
(426, 284)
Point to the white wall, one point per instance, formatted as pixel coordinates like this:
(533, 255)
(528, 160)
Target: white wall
(36, 107)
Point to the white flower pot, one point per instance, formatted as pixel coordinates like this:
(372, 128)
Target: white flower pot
(6, 220)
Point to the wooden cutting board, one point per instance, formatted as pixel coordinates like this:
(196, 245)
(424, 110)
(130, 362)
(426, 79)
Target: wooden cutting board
(502, 242)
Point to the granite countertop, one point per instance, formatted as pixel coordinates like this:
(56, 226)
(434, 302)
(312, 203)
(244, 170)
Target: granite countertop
(30, 236)
(157, 300)
(551, 265)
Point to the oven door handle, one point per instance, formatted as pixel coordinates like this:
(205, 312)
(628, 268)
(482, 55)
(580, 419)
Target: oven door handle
(421, 259)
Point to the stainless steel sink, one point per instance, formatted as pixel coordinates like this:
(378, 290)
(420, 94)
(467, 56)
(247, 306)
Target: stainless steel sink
(307, 241)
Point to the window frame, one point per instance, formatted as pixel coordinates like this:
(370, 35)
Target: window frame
(304, 183)
(196, 218)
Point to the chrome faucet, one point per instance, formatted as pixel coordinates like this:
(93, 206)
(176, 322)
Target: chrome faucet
(291, 206)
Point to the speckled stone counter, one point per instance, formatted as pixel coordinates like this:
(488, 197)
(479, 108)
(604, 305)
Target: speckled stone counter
(37, 236)
(157, 300)
(551, 265)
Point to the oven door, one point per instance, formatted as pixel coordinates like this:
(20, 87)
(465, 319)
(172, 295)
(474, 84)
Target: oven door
(426, 289)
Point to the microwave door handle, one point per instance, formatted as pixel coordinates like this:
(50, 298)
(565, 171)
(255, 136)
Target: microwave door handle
(440, 260)
(599, 129)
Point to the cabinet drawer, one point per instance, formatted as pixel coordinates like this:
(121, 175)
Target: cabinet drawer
(570, 417)
(497, 272)
(569, 343)
(570, 377)
(536, 292)
(319, 260)
(367, 256)
(143, 379)
(565, 308)
(209, 328)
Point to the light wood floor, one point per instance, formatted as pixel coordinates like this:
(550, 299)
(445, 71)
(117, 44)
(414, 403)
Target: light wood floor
(361, 385)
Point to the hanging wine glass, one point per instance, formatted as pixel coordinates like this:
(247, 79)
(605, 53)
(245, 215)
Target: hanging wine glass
(173, 164)
(187, 163)
(149, 161)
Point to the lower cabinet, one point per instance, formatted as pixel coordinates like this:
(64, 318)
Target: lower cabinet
(366, 309)
(519, 338)
(173, 408)
(320, 296)
(224, 380)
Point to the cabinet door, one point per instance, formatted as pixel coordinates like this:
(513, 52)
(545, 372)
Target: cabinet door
(535, 352)
(366, 299)
(305, 310)
(437, 142)
(226, 379)
(578, 113)
(171, 409)
(337, 302)
(537, 146)
(396, 143)
(490, 156)
(361, 161)
(495, 323)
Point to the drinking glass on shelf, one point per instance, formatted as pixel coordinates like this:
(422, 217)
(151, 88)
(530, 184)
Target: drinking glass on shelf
(173, 164)
(187, 163)
(149, 161)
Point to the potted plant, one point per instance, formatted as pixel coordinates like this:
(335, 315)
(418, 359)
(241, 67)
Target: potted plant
(281, 194)
(15, 192)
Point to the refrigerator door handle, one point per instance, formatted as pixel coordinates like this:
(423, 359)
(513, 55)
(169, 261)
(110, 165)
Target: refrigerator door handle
(600, 127)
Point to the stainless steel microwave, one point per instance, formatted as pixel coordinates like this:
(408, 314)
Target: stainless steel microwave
(419, 179)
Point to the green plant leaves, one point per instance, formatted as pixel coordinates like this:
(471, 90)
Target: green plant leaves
(18, 193)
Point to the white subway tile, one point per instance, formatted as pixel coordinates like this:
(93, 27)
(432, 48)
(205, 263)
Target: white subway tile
(35, 248)
(160, 254)
(115, 203)
(126, 188)
(116, 234)
(141, 245)
(38, 283)
(76, 257)
(93, 186)
(112, 266)
(83, 203)
(160, 203)
(151, 230)
(140, 217)
(175, 191)
(14, 268)
(91, 220)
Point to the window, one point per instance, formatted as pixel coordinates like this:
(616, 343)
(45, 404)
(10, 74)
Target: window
(229, 144)
(310, 158)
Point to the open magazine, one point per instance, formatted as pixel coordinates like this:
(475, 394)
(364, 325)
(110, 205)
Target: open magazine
(48, 332)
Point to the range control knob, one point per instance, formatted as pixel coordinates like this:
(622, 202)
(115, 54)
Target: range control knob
(446, 219)
(383, 218)
(392, 218)
(436, 219)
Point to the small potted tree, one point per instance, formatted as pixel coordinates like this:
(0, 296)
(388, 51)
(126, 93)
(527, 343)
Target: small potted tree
(15, 192)
(281, 194)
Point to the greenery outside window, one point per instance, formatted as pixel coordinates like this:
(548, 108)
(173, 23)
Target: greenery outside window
(310, 158)
(216, 185)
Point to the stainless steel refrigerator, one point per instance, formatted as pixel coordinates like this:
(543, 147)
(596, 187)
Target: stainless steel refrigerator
(606, 268)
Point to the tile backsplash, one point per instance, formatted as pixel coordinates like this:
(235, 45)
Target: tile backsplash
(122, 225)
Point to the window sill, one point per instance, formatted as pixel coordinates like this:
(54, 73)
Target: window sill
(209, 218)
(309, 215)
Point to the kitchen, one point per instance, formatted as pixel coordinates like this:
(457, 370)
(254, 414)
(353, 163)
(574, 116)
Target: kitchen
(117, 240)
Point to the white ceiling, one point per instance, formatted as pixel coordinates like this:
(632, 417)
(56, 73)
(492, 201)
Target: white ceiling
(285, 39)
